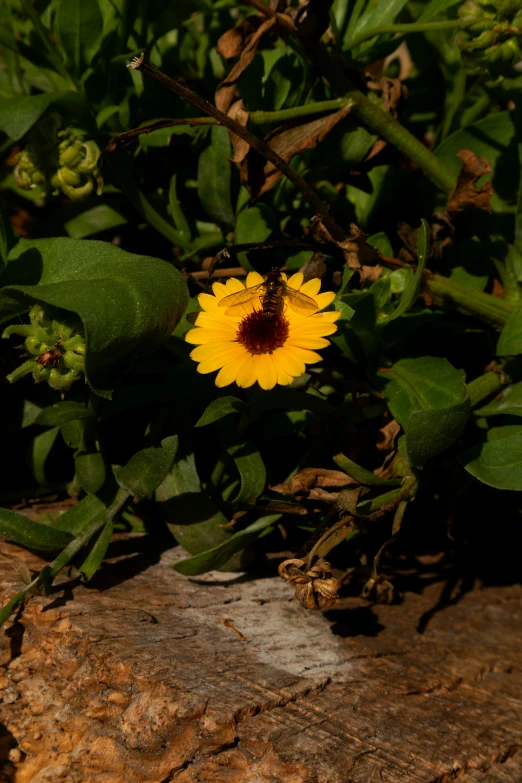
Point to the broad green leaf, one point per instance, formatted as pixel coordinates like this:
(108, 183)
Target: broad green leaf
(365, 477)
(497, 464)
(97, 551)
(510, 340)
(219, 408)
(178, 216)
(40, 450)
(90, 471)
(73, 433)
(214, 177)
(79, 27)
(410, 294)
(91, 221)
(18, 115)
(508, 403)
(62, 413)
(505, 431)
(21, 530)
(251, 470)
(189, 514)
(290, 400)
(147, 469)
(219, 555)
(429, 399)
(127, 303)
(494, 139)
(88, 510)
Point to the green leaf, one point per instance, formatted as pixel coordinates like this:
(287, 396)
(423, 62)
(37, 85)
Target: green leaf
(79, 27)
(510, 340)
(90, 471)
(508, 402)
(21, 530)
(18, 115)
(127, 303)
(253, 224)
(77, 518)
(411, 292)
(147, 469)
(435, 7)
(189, 514)
(505, 431)
(494, 139)
(62, 413)
(97, 551)
(429, 399)
(365, 477)
(40, 450)
(219, 408)
(178, 216)
(290, 400)
(214, 177)
(251, 470)
(91, 221)
(219, 555)
(497, 464)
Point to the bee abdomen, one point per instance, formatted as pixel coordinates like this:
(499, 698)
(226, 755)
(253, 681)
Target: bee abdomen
(270, 304)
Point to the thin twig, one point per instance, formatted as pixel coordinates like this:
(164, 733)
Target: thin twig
(234, 271)
(282, 19)
(125, 138)
(256, 143)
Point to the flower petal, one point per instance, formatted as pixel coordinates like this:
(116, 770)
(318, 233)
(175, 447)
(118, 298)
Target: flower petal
(220, 290)
(201, 336)
(208, 302)
(233, 285)
(324, 299)
(296, 281)
(247, 373)
(228, 373)
(222, 357)
(208, 350)
(308, 342)
(288, 362)
(309, 357)
(311, 287)
(253, 278)
(266, 371)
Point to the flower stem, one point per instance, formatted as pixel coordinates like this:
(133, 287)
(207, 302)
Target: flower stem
(411, 27)
(370, 111)
(466, 300)
(483, 387)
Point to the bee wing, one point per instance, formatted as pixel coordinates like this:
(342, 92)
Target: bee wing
(299, 302)
(235, 302)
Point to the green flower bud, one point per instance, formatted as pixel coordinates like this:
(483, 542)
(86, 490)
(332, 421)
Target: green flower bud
(55, 343)
(59, 160)
(490, 38)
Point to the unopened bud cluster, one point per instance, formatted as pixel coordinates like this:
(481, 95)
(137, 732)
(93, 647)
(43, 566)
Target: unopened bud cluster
(59, 161)
(55, 345)
(491, 37)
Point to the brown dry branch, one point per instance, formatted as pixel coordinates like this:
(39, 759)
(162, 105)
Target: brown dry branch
(466, 195)
(125, 138)
(321, 209)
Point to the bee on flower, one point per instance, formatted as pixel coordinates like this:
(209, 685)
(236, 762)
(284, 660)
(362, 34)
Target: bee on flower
(266, 331)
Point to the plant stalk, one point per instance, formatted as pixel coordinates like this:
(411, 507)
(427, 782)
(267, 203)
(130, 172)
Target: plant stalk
(448, 293)
(410, 27)
(484, 386)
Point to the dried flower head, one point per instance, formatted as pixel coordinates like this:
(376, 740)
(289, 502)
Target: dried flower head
(315, 588)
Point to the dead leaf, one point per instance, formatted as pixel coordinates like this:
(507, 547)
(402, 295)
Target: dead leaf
(392, 92)
(314, 267)
(311, 19)
(466, 195)
(358, 254)
(387, 436)
(308, 480)
(259, 175)
(238, 113)
(225, 91)
(233, 42)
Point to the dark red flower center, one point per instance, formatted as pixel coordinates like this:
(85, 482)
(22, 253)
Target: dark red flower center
(260, 334)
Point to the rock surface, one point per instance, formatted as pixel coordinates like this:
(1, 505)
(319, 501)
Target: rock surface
(145, 676)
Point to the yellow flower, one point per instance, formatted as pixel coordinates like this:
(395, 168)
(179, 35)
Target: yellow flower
(249, 347)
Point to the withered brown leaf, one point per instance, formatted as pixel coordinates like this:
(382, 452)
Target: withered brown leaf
(259, 175)
(309, 480)
(466, 195)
